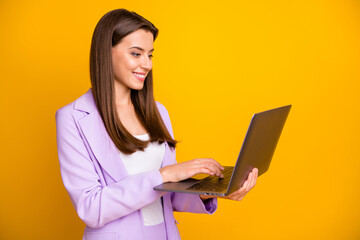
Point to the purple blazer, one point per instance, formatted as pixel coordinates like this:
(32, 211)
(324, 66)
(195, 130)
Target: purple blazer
(105, 197)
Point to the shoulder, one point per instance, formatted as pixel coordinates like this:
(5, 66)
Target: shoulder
(65, 112)
(84, 104)
(165, 117)
(75, 110)
(161, 107)
(163, 111)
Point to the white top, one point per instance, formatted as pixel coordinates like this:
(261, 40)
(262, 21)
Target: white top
(141, 161)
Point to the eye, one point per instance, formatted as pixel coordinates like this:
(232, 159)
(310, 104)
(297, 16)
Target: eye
(151, 56)
(135, 54)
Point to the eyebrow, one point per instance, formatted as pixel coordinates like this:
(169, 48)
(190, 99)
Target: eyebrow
(141, 49)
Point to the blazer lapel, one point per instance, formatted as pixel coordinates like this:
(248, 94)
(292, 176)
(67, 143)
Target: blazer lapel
(102, 146)
(93, 129)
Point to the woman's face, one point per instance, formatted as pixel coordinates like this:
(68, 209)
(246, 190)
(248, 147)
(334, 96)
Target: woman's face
(131, 59)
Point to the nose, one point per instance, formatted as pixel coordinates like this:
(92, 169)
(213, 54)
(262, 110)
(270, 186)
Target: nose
(146, 63)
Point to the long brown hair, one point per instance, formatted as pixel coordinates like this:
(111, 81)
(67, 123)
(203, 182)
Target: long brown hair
(109, 31)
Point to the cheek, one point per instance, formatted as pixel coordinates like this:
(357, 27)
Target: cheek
(128, 63)
(116, 62)
(122, 60)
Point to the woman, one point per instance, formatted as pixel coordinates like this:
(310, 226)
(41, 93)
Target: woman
(115, 143)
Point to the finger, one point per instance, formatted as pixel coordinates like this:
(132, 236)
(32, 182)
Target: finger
(203, 170)
(240, 190)
(252, 177)
(213, 167)
(216, 163)
(248, 181)
(213, 161)
(252, 181)
(255, 176)
(239, 194)
(236, 193)
(249, 186)
(198, 166)
(245, 184)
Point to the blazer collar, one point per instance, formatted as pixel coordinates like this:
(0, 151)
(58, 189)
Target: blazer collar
(86, 103)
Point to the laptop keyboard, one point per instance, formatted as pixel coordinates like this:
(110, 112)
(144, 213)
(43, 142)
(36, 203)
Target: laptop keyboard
(214, 183)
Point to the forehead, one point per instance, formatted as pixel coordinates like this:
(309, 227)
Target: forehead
(140, 38)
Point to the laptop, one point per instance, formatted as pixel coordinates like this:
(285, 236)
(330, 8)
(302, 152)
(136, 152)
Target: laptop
(257, 151)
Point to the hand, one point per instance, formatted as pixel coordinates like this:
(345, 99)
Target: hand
(239, 194)
(184, 170)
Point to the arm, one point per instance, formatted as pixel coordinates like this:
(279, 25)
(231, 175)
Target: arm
(95, 202)
(185, 202)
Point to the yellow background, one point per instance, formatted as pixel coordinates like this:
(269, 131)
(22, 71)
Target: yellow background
(215, 64)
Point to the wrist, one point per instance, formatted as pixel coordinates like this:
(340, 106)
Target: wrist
(205, 197)
(163, 173)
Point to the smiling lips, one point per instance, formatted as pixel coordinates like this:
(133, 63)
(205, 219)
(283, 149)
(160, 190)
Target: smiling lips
(140, 76)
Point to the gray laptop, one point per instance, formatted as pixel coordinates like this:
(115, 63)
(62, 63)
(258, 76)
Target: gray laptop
(256, 151)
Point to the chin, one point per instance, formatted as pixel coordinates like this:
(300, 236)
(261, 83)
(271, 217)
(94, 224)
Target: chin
(138, 87)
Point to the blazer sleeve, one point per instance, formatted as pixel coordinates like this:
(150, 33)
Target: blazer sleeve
(186, 202)
(95, 202)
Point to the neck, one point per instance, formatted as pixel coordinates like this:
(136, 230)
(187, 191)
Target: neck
(122, 95)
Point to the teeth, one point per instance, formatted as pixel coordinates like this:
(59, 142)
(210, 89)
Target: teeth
(139, 75)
